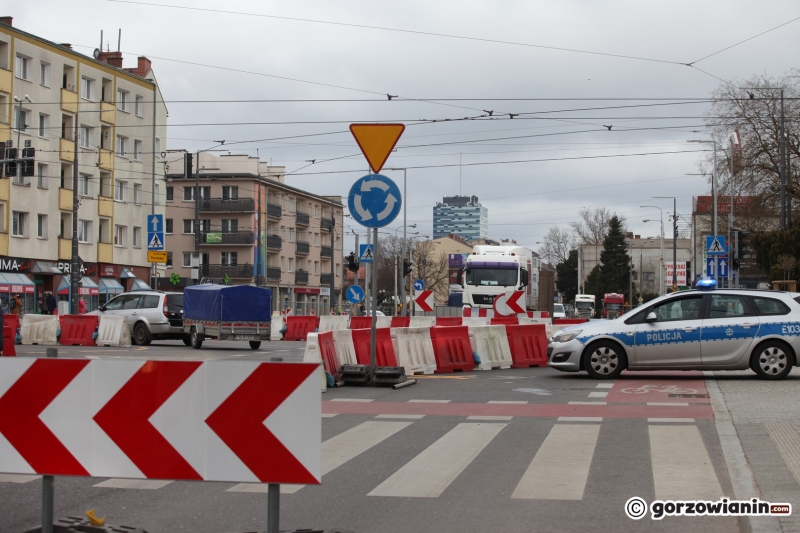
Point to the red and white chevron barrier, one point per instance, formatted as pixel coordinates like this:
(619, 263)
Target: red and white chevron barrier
(473, 312)
(236, 421)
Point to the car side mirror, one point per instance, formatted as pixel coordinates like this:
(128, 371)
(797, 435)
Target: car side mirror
(651, 317)
(102, 308)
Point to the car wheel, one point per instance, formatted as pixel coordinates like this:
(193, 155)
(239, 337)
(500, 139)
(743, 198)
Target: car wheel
(141, 335)
(604, 360)
(187, 341)
(196, 339)
(771, 360)
(255, 345)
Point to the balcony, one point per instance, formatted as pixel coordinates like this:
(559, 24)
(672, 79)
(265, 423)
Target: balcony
(65, 249)
(274, 273)
(65, 199)
(274, 210)
(108, 113)
(233, 271)
(105, 252)
(303, 219)
(66, 149)
(69, 101)
(241, 237)
(326, 224)
(325, 279)
(105, 206)
(274, 242)
(326, 251)
(222, 205)
(106, 160)
(301, 277)
(6, 79)
(303, 248)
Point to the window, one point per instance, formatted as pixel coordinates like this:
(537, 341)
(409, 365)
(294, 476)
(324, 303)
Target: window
(122, 100)
(22, 68)
(44, 74)
(158, 147)
(187, 260)
(230, 225)
(84, 185)
(137, 150)
(292, 205)
(41, 226)
(291, 234)
(139, 106)
(121, 191)
(44, 125)
(105, 185)
(291, 264)
(87, 88)
(122, 146)
(283, 264)
(86, 136)
(769, 306)
(316, 211)
(230, 192)
(132, 301)
(728, 306)
(188, 193)
(137, 193)
(188, 225)
(137, 237)
(41, 176)
(104, 235)
(168, 226)
(679, 309)
(170, 193)
(169, 260)
(157, 195)
(228, 258)
(120, 235)
(149, 301)
(648, 276)
(84, 230)
(316, 239)
(22, 119)
(19, 224)
(316, 267)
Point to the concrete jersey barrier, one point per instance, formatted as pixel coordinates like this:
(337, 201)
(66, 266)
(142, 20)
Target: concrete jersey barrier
(39, 329)
(113, 331)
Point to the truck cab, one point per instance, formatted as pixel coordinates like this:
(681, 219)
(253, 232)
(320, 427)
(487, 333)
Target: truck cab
(493, 270)
(584, 305)
(613, 305)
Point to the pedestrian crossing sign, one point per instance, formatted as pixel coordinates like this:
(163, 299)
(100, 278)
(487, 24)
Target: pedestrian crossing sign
(155, 241)
(366, 253)
(715, 245)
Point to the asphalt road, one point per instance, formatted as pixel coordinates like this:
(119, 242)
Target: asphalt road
(503, 450)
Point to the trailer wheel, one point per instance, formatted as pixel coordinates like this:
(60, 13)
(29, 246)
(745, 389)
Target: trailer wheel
(197, 340)
(255, 345)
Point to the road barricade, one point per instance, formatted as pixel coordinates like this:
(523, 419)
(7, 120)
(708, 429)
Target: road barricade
(539, 314)
(332, 322)
(475, 321)
(528, 344)
(298, 327)
(39, 329)
(568, 321)
(414, 350)
(329, 358)
(78, 330)
(360, 322)
(9, 334)
(11, 321)
(448, 321)
(384, 351)
(451, 349)
(345, 350)
(511, 320)
(422, 322)
(491, 345)
(384, 322)
(312, 354)
(113, 331)
(400, 321)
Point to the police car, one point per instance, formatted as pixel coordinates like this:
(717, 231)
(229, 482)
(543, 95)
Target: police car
(703, 329)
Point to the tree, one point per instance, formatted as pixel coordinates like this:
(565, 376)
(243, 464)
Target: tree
(567, 272)
(594, 224)
(615, 270)
(772, 246)
(431, 266)
(557, 245)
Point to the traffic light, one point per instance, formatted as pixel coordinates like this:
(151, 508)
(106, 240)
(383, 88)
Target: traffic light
(351, 262)
(29, 154)
(407, 267)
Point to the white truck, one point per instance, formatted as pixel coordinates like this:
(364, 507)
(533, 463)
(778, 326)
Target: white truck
(493, 270)
(584, 305)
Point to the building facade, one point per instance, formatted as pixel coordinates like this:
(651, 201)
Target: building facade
(58, 101)
(463, 216)
(301, 233)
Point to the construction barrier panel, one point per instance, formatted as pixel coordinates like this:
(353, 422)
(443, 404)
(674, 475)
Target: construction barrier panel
(511, 320)
(400, 321)
(491, 345)
(448, 321)
(312, 354)
(39, 329)
(422, 322)
(567, 321)
(333, 322)
(528, 344)
(475, 321)
(9, 334)
(298, 327)
(345, 350)
(360, 322)
(329, 358)
(384, 322)
(414, 350)
(78, 330)
(113, 331)
(384, 351)
(11, 321)
(451, 349)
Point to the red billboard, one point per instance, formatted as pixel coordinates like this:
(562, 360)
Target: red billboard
(705, 204)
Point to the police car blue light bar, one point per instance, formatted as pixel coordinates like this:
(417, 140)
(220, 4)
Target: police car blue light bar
(707, 284)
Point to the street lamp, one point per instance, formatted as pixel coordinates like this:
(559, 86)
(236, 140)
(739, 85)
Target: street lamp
(713, 182)
(674, 240)
(403, 246)
(661, 276)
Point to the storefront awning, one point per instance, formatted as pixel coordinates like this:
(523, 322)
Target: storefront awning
(45, 267)
(126, 273)
(87, 288)
(111, 286)
(16, 283)
(139, 285)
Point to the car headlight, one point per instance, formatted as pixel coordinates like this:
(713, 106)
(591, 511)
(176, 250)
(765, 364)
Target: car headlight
(567, 335)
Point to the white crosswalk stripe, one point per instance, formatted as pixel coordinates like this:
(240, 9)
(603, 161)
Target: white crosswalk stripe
(682, 469)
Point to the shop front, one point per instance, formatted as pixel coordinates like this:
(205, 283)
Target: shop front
(108, 288)
(88, 290)
(17, 284)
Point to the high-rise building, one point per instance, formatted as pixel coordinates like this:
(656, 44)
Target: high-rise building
(460, 215)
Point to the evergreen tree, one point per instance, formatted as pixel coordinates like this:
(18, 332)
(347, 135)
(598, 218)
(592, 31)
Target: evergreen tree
(615, 270)
(567, 272)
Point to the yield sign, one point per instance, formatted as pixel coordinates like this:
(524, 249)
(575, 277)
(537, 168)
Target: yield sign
(510, 303)
(424, 300)
(377, 141)
(235, 421)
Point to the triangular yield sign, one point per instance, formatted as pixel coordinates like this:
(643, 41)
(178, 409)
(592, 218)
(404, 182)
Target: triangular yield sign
(377, 141)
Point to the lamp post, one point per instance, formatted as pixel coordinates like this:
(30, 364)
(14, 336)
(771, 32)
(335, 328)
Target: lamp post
(403, 246)
(713, 183)
(661, 219)
(675, 238)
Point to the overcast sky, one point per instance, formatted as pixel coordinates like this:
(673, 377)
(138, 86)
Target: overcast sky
(524, 199)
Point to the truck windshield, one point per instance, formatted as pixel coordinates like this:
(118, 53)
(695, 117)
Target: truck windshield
(583, 305)
(491, 276)
(614, 307)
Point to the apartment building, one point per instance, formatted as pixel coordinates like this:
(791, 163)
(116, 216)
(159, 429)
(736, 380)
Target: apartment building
(237, 193)
(47, 92)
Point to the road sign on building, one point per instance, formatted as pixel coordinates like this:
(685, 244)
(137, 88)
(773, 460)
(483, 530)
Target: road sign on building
(374, 201)
(366, 253)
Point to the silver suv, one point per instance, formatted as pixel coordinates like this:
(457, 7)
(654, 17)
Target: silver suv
(151, 315)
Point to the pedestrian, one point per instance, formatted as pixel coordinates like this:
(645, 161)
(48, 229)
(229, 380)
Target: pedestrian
(41, 305)
(51, 303)
(15, 305)
(362, 311)
(81, 306)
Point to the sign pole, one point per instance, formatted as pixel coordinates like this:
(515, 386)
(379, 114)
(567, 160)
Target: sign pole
(372, 333)
(48, 489)
(273, 508)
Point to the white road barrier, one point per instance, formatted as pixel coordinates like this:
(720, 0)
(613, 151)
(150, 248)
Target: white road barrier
(383, 322)
(345, 349)
(422, 322)
(475, 321)
(491, 345)
(113, 331)
(312, 354)
(333, 322)
(414, 350)
(39, 329)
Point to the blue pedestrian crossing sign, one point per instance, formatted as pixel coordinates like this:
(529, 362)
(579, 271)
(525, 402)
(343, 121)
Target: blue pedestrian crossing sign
(374, 201)
(355, 294)
(366, 253)
(155, 241)
(715, 245)
(717, 267)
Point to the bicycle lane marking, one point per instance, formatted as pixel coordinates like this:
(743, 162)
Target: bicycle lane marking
(660, 388)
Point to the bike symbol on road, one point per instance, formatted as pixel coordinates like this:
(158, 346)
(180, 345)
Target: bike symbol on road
(374, 201)
(644, 389)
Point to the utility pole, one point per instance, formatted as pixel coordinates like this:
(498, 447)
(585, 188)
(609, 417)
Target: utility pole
(197, 214)
(358, 270)
(74, 264)
(675, 237)
(333, 257)
(259, 264)
(783, 168)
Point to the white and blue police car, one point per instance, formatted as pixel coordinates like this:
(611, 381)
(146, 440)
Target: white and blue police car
(702, 329)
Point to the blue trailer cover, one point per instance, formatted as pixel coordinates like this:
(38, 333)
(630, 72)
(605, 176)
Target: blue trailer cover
(240, 303)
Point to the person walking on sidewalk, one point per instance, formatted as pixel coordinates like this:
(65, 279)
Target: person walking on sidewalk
(15, 305)
(50, 303)
(81, 306)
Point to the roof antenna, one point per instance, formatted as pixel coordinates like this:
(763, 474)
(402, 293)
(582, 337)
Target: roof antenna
(119, 39)
(101, 40)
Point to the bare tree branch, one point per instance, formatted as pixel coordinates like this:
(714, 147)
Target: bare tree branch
(557, 244)
(593, 227)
